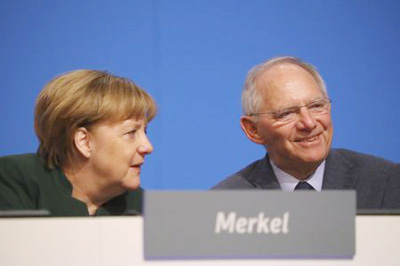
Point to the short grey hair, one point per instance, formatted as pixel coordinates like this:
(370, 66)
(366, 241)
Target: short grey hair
(251, 98)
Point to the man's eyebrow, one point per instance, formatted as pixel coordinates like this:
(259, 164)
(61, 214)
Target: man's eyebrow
(295, 105)
(286, 107)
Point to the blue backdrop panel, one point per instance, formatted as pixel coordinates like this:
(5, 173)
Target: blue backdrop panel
(192, 56)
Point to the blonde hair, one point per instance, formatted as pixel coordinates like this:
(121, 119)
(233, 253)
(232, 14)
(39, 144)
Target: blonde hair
(251, 98)
(82, 98)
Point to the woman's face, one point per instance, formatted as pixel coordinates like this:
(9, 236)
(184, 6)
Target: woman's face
(117, 153)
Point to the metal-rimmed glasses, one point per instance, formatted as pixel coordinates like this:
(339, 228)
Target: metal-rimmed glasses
(288, 114)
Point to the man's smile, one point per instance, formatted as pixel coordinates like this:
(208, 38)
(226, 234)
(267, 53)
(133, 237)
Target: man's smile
(312, 138)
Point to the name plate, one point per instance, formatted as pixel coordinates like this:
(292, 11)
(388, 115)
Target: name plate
(249, 224)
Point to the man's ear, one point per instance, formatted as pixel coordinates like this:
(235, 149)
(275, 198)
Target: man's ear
(249, 128)
(82, 142)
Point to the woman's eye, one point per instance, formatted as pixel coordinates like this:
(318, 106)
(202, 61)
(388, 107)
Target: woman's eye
(131, 133)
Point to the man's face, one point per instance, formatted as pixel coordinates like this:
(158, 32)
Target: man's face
(303, 141)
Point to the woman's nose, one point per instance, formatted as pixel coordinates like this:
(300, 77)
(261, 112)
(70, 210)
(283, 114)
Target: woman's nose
(145, 146)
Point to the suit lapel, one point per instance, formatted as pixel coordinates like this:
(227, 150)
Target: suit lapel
(263, 176)
(336, 174)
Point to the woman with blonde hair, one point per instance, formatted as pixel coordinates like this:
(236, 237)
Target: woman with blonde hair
(91, 127)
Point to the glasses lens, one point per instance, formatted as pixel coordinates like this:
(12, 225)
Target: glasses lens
(318, 107)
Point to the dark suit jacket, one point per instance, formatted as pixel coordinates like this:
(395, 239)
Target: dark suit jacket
(376, 181)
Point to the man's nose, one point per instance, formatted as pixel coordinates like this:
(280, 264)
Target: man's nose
(306, 120)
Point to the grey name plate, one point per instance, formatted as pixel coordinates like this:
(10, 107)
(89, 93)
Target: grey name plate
(249, 224)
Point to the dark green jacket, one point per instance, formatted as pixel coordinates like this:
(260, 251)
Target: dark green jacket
(27, 184)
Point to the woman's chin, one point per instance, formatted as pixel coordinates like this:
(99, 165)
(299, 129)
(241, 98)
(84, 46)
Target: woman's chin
(131, 182)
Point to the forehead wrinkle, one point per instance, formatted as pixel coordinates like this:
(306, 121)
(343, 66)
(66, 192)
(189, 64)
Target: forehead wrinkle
(281, 82)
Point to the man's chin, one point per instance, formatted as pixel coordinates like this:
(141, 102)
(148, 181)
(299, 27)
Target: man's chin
(313, 158)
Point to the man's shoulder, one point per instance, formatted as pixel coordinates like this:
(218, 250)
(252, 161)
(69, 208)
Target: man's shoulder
(361, 168)
(239, 180)
(359, 159)
(376, 180)
(234, 182)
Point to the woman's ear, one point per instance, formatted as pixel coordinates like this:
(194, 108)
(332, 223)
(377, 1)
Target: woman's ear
(82, 141)
(249, 127)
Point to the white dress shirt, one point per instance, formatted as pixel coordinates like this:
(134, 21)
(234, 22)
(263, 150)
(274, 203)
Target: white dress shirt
(288, 182)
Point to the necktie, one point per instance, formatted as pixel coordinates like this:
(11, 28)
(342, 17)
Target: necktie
(303, 186)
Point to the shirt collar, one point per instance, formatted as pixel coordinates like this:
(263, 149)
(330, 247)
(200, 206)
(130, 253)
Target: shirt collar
(288, 182)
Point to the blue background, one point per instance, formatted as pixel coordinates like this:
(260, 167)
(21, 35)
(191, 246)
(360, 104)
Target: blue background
(192, 56)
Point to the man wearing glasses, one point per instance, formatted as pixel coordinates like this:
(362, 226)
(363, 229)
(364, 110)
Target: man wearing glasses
(287, 110)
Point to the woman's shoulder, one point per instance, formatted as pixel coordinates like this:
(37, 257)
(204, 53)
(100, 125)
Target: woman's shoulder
(26, 160)
(26, 166)
(19, 181)
(20, 158)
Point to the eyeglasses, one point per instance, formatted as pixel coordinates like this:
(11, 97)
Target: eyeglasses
(288, 114)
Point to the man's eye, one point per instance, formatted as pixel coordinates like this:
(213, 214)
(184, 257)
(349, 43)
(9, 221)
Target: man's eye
(284, 114)
(316, 105)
